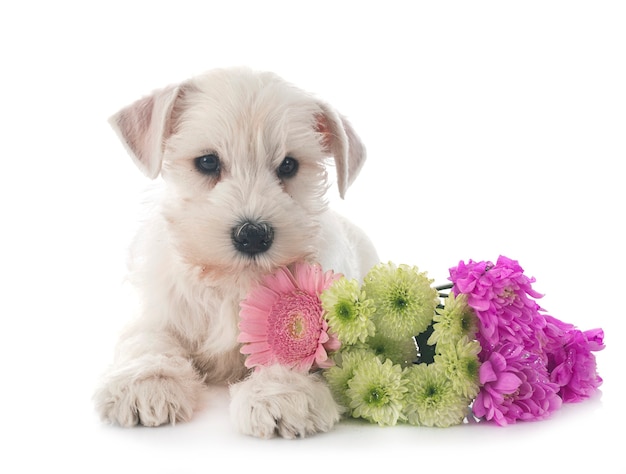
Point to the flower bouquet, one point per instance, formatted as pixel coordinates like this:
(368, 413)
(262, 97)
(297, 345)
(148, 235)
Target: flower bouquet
(395, 348)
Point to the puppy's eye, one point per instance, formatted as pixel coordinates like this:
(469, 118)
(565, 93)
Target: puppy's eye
(288, 167)
(208, 164)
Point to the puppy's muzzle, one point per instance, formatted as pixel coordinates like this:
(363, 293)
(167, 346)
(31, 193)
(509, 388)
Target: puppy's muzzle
(252, 237)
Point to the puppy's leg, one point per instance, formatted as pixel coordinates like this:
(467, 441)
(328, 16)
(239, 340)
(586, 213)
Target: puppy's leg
(278, 401)
(153, 382)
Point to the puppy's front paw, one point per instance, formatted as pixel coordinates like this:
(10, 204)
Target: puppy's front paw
(151, 390)
(278, 401)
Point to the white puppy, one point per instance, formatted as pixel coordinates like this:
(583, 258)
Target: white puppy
(242, 157)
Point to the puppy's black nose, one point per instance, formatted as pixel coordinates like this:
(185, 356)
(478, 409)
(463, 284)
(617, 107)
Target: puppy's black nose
(252, 237)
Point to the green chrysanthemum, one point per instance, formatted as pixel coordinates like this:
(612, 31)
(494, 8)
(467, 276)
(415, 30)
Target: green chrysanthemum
(377, 391)
(403, 298)
(402, 352)
(348, 312)
(455, 320)
(432, 400)
(460, 364)
(340, 374)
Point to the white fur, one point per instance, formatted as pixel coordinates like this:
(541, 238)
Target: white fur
(189, 275)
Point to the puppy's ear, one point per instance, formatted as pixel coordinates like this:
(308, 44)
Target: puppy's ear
(144, 126)
(340, 140)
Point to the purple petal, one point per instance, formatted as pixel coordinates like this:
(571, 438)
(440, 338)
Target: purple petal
(486, 373)
(507, 382)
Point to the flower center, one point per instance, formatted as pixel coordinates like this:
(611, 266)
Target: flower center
(432, 394)
(295, 326)
(466, 322)
(471, 368)
(508, 294)
(345, 310)
(376, 396)
(399, 300)
(400, 303)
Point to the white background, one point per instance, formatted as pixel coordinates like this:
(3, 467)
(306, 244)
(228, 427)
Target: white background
(492, 128)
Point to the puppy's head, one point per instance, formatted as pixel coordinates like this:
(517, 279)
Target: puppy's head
(243, 155)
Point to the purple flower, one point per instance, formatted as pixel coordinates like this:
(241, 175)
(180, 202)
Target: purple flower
(570, 360)
(502, 298)
(515, 386)
(531, 362)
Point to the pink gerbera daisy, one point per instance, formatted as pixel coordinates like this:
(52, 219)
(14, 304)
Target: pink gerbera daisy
(282, 320)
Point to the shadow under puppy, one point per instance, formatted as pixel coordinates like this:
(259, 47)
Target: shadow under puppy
(242, 156)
